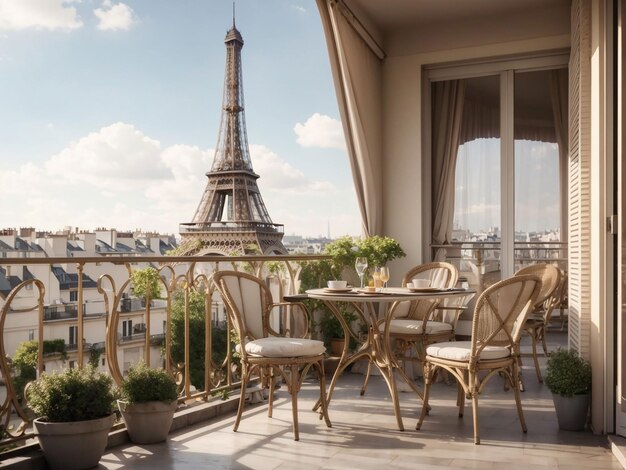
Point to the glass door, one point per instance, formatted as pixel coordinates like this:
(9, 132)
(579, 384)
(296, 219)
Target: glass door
(501, 136)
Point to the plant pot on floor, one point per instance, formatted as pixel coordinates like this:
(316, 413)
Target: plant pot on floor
(572, 412)
(148, 422)
(148, 401)
(336, 346)
(74, 416)
(568, 377)
(73, 445)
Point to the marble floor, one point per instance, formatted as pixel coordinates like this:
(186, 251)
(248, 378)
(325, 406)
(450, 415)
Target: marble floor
(364, 435)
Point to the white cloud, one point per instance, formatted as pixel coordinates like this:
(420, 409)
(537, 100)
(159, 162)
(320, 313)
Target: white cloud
(320, 131)
(299, 8)
(114, 17)
(119, 177)
(16, 15)
(113, 158)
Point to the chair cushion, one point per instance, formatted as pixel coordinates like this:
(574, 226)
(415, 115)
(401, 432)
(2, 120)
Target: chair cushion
(414, 327)
(284, 347)
(460, 351)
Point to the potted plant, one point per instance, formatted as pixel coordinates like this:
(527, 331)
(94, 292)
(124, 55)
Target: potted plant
(149, 399)
(331, 330)
(74, 416)
(568, 377)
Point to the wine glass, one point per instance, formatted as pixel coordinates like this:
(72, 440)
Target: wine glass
(384, 275)
(360, 265)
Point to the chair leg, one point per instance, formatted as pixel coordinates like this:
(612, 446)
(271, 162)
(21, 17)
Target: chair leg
(460, 400)
(295, 385)
(428, 371)
(270, 407)
(533, 338)
(544, 330)
(475, 413)
(245, 378)
(518, 400)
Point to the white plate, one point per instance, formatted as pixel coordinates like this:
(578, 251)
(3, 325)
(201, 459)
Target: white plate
(338, 291)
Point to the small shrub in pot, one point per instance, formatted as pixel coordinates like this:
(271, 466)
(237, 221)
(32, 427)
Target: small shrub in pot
(74, 416)
(568, 377)
(149, 399)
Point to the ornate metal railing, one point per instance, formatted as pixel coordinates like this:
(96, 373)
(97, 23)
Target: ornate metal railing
(182, 281)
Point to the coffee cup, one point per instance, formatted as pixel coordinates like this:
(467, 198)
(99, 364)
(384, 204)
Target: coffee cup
(337, 284)
(421, 283)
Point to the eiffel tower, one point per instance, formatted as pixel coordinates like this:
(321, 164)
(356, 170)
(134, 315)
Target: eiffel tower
(231, 218)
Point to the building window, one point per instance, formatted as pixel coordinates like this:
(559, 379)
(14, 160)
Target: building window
(72, 364)
(103, 362)
(73, 296)
(127, 328)
(73, 335)
(31, 335)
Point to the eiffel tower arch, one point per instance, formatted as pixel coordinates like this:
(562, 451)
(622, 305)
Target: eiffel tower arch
(231, 218)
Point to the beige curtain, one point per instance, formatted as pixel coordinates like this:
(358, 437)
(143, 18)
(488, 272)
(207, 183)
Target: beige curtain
(357, 73)
(447, 119)
(559, 94)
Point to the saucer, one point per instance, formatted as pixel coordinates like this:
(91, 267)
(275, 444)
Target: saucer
(425, 289)
(338, 291)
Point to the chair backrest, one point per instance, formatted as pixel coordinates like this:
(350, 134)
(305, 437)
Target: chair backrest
(247, 301)
(550, 277)
(501, 311)
(441, 275)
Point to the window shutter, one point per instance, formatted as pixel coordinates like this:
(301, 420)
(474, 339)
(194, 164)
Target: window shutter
(580, 179)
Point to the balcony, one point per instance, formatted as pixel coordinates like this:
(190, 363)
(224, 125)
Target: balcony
(364, 432)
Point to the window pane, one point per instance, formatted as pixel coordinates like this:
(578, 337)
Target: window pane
(477, 185)
(537, 187)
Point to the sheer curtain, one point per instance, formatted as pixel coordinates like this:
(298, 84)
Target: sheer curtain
(448, 102)
(560, 96)
(358, 84)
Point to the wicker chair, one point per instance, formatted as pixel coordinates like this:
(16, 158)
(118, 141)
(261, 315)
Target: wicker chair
(263, 350)
(499, 315)
(549, 297)
(417, 324)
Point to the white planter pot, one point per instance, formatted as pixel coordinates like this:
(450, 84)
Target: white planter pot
(148, 422)
(74, 445)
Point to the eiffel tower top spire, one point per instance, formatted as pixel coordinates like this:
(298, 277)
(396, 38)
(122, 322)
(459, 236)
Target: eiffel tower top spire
(232, 205)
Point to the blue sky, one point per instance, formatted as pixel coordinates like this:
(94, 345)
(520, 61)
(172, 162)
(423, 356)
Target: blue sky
(110, 113)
